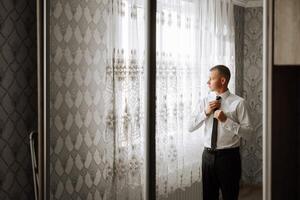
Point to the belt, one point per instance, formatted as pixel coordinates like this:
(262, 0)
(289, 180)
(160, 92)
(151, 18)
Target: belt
(228, 150)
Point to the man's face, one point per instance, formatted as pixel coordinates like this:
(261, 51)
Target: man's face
(215, 81)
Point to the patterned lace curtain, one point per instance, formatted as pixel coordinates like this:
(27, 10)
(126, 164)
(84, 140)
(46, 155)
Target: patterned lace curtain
(124, 99)
(192, 36)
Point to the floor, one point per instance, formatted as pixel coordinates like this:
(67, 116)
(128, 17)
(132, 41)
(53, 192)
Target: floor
(250, 193)
(194, 192)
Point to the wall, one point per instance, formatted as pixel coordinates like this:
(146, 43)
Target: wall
(18, 92)
(251, 89)
(286, 32)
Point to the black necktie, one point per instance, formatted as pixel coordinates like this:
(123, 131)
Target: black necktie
(214, 135)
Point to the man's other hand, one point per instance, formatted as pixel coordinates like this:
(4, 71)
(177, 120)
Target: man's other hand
(220, 115)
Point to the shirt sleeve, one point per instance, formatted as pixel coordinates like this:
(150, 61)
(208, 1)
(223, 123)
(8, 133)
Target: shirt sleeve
(243, 125)
(198, 116)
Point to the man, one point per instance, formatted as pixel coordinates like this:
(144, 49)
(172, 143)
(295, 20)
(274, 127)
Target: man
(225, 119)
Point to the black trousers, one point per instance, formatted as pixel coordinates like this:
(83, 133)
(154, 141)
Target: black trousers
(221, 169)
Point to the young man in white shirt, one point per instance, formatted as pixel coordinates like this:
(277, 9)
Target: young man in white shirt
(225, 118)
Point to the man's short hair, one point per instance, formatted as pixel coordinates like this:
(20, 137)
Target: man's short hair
(223, 70)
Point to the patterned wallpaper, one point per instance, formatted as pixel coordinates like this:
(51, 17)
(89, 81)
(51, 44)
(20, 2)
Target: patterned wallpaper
(252, 20)
(18, 89)
(239, 24)
(78, 147)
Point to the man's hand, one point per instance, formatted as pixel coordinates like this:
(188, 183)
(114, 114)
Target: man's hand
(220, 115)
(212, 105)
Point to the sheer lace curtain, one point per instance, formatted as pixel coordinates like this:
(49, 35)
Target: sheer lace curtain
(192, 36)
(124, 99)
(177, 157)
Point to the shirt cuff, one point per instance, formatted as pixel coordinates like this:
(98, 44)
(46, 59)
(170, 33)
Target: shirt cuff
(231, 125)
(197, 120)
(203, 115)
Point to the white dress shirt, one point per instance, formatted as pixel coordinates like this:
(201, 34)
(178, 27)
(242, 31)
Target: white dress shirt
(230, 131)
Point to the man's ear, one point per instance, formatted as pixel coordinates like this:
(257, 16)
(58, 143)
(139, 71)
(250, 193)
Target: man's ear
(223, 80)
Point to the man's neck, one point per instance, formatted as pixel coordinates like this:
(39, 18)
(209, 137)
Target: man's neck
(221, 91)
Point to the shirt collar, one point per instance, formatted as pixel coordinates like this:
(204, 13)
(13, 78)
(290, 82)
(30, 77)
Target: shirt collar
(224, 95)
